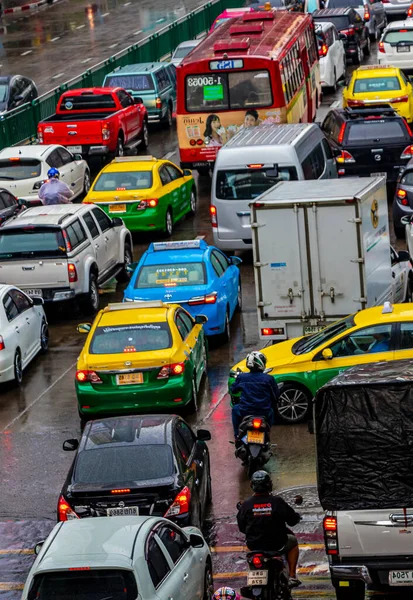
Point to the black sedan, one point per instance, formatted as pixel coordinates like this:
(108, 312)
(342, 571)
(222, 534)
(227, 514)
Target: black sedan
(16, 90)
(138, 465)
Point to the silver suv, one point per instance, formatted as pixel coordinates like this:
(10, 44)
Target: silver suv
(64, 251)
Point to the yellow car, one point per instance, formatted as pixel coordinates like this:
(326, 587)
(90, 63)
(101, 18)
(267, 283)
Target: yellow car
(305, 364)
(148, 193)
(379, 84)
(139, 358)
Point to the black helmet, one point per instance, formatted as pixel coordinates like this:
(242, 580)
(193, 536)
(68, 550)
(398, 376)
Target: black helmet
(261, 482)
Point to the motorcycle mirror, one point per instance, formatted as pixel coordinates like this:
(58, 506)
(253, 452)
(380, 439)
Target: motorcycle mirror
(298, 500)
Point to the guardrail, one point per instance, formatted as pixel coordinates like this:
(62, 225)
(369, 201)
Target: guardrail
(20, 125)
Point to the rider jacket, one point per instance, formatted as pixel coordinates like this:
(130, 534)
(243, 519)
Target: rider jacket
(55, 192)
(258, 392)
(263, 519)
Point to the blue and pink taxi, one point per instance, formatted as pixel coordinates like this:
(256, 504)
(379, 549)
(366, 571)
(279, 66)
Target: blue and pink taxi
(193, 274)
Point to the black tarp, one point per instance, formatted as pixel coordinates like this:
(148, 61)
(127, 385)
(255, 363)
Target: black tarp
(364, 437)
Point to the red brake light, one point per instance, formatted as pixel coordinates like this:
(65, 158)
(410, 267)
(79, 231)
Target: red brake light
(2, 344)
(407, 152)
(399, 99)
(330, 524)
(401, 193)
(255, 166)
(208, 299)
(71, 270)
(169, 370)
(178, 369)
(14, 159)
(410, 11)
(345, 157)
(257, 423)
(214, 216)
(366, 13)
(257, 561)
(355, 103)
(84, 376)
(65, 511)
(67, 241)
(323, 50)
(120, 491)
(340, 137)
(158, 103)
(181, 503)
(381, 47)
(152, 202)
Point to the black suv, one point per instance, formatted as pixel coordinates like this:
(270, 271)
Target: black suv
(369, 141)
(16, 90)
(348, 23)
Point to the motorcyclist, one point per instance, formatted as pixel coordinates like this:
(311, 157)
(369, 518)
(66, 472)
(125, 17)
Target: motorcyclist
(264, 517)
(55, 191)
(225, 593)
(258, 391)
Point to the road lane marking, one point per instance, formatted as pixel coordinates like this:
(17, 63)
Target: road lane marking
(219, 549)
(336, 104)
(86, 60)
(55, 38)
(80, 26)
(17, 551)
(26, 53)
(168, 155)
(105, 14)
(127, 3)
(40, 396)
(138, 32)
(114, 45)
(58, 75)
(202, 237)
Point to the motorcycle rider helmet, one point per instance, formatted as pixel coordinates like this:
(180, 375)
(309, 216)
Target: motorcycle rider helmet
(53, 173)
(226, 593)
(256, 361)
(261, 482)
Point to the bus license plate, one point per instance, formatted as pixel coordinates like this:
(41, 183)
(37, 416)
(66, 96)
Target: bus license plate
(255, 437)
(257, 578)
(401, 577)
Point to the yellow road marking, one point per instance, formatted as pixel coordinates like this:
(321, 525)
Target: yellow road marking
(218, 549)
(17, 551)
(6, 586)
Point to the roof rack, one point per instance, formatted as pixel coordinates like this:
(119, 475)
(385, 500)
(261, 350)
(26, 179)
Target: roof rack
(179, 245)
(378, 109)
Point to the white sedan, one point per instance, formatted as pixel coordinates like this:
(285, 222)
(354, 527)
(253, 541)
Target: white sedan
(24, 332)
(23, 170)
(182, 50)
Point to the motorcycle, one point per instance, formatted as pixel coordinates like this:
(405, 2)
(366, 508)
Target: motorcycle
(254, 447)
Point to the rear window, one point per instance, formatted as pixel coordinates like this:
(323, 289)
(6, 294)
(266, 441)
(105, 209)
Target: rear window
(130, 338)
(377, 130)
(113, 584)
(31, 242)
(344, 3)
(245, 184)
(171, 275)
(182, 51)
(136, 83)
(376, 84)
(15, 169)
(128, 180)
(407, 179)
(88, 102)
(341, 22)
(116, 464)
(396, 36)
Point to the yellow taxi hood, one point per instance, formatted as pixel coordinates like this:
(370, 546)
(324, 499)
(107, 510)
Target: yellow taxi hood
(127, 360)
(278, 355)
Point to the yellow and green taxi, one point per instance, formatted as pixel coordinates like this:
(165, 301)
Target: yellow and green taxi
(380, 84)
(140, 358)
(149, 194)
(303, 365)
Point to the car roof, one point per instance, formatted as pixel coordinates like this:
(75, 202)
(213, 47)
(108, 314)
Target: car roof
(129, 313)
(131, 163)
(284, 134)
(375, 315)
(189, 43)
(323, 25)
(45, 215)
(172, 254)
(29, 151)
(131, 430)
(140, 68)
(408, 23)
(331, 12)
(368, 71)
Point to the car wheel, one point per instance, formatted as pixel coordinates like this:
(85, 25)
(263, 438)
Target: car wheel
(208, 583)
(192, 203)
(239, 296)
(356, 58)
(400, 232)
(169, 224)
(18, 368)
(86, 183)
(120, 150)
(124, 275)
(90, 303)
(367, 47)
(227, 331)
(44, 337)
(167, 121)
(192, 407)
(195, 519)
(145, 135)
(293, 404)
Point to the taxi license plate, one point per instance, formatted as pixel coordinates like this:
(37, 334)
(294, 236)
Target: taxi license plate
(257, 578)
(401, 577)
(129, 378)
(403, 48)
(75, 149)
(255, 437)
(34, 292)
(117, 208)
(313, 329)
(126, 511)
(378, 174)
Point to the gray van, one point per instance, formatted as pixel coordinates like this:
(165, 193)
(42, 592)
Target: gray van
(253, 161)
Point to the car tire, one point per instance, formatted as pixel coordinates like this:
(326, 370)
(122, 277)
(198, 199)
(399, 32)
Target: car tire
(356, 58)
(44, 337)
(239, 296)
(90, 303)
(195, 518)
(293, 404)
(399, 232)
(226, 335)
(83, 420)
(208, 583)
(169, 224)
(168, 119)
(86, 183)
(18, 367)
(120, 149)
(192, 406)
(208, 495)
(192, 203)
(124, 275)
(145, 135)
(367, 47)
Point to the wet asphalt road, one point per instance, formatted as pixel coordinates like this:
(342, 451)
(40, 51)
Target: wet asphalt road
(36, 418)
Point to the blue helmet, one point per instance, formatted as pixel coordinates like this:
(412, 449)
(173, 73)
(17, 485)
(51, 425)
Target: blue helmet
(53, 173)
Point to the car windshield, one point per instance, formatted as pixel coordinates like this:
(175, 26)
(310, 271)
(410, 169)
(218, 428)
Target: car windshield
(245, 184)
(376, 130)
(4, 92)
(341, 22)
(85, 583)
(136, 83)
(376, 84)
(31, 242)
(120, 464)
(398, 35)
(119, 339)
(175, 275)
(13, 169)
(182, 51)
(311, 342)
(123, 181)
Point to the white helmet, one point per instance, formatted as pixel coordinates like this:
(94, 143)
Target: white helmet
(256, 361)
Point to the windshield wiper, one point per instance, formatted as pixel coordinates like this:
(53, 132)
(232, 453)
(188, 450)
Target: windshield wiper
(8, 178)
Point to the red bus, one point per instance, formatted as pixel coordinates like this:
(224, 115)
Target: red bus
(257, 69)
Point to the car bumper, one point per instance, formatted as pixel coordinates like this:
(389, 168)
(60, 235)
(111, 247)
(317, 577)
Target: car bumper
(400, 211)
(150, 219)
(6, 369)
(155, 116)
(215, 324)
(355, 170)
(93, 150)
(231, 244)
(53, 294)
(374, 573)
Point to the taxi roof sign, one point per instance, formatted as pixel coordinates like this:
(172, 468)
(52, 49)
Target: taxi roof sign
(179, 245)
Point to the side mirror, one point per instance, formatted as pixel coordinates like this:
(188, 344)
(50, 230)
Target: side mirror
(403, 256)
(405, 220)
(38, 547)
(201, 319)
(37, 300)
(21, 202)
(138, 100)
(117, 222)
(132, 266)
(196, 541)
(187, 172)
(327, 354)
(70, 445)
(84, 327)
(77, 157)
(203, 435)
(235, 260)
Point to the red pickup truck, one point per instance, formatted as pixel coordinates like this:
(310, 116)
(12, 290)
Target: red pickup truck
(96, 122)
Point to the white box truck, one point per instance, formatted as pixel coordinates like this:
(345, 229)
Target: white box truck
(321, 252)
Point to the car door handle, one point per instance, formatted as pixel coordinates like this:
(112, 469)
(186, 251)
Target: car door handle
(96, 246)
(186, 577)
(28, 320)
(106, 239)
(196, 481)
(17, 329)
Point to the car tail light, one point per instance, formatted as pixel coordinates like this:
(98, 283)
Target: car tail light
(257, 423)
(199, 142)
(158, 103)
(366, 13)
(399, 99)
(381, 47)
(65, 511)
(105, 132)
(341, 133)
(207, 299)
(2, 344)
(330, 534)
(171, 370)
(72, 272)
(40, 136)
(181, 503)
(214, 216)
(86, 376)
(272, 331)
(257, 561)
(345, 157)
(407, 152)
(355, 103)
(322, 51)
(120, 491)
(67, 241)
(149, 203)
(402, 196)
(349, 31)
(410, 11)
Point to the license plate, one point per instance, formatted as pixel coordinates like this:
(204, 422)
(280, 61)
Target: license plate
(378, 174)
(401, 578)
(255, 437)
(313, 329)
(403, 48)
(129, 378)
(34, 292)
(257, 578)
(75, 149)
(117, 208)
(126, 511)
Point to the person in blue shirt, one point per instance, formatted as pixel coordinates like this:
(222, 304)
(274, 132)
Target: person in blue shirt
(258, 392)
(381, 343)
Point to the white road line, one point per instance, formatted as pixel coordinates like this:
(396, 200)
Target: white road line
(80, 26)
(19, 416)
(86, 60)
(168, 155)
(138, 32)
(55, 38)
(26, 53)
(105, 14)
(161, 20)
(114, 45)
(336, 104)
(127, 3)
(200, 237)
(58, 75)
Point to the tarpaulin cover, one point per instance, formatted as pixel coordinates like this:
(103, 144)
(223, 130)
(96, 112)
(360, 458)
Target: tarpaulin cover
(364, 437)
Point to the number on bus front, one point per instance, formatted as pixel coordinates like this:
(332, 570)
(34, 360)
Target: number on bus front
(197, 81)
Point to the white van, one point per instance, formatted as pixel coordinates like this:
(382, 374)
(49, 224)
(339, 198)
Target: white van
(253, 161)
